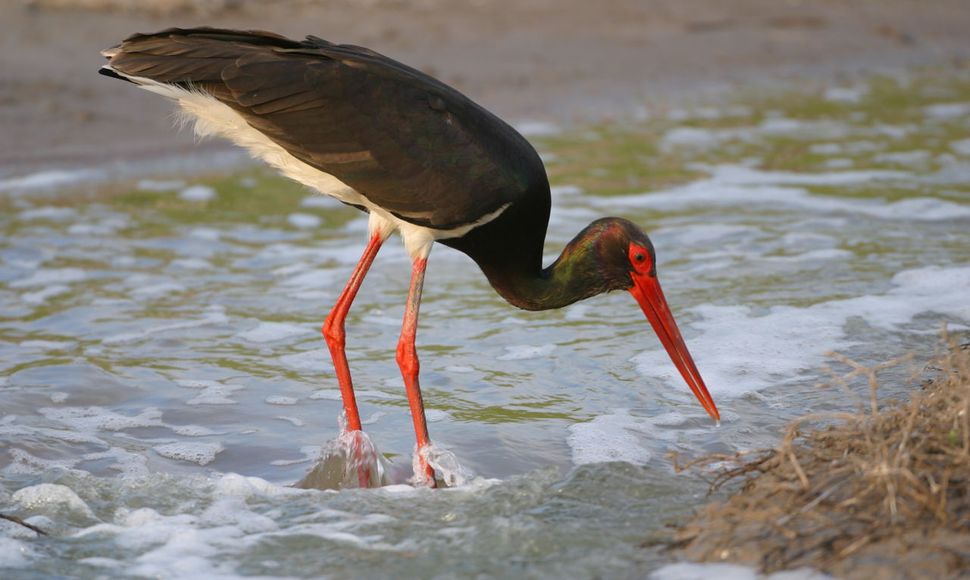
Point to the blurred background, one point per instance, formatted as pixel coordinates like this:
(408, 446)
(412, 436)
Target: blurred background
(528, 60)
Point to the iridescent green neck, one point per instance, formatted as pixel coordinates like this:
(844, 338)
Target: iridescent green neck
(581, 271)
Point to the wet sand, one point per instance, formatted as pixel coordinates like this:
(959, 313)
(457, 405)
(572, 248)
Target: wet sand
(537, 60)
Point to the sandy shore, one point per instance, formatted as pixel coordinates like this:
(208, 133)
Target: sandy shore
(539, 60)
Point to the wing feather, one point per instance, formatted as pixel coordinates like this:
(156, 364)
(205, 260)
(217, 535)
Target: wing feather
(405, 141)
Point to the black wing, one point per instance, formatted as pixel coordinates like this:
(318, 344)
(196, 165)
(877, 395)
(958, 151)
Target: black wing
(407, 142)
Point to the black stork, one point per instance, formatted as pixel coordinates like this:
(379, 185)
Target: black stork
(416, 155)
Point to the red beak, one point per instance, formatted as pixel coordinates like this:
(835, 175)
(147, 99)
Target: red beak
(646, 289)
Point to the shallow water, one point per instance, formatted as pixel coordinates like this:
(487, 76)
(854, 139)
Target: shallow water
(162, 376)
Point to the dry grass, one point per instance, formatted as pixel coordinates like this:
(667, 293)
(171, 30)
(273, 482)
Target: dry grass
(883, 493)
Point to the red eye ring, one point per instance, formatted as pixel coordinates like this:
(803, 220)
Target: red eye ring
(640, 258)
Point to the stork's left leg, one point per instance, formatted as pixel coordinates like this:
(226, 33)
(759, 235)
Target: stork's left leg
(407, 359)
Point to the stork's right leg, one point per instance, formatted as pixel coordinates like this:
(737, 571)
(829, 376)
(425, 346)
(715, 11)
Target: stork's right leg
(333, 333)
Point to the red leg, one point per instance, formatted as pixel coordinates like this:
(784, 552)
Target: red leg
(407, 359)
(333, 333)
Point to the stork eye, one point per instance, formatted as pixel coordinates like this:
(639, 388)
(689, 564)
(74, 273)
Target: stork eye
(639, 258)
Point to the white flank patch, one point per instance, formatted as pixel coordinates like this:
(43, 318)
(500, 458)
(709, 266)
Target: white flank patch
(213, 118)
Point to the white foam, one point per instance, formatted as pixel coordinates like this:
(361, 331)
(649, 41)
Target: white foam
(436, 415)
(561, 191)
(845, 94)
(904, 157)
(157, 289)
(92, 229)
(217, 394)
(961, 147)
(705, 138)
(947, 110)
(704, 233)
(194, 430)
(48, 179)
(9, 427)
(177, 546)
(46, 344)
(310, 453)
(50, 213)
(691, 571)
(199, 453)
(690, 137)
(93, 419)
(281, 400)
(206, 234)
(741, 350)
(851, 147)
(459, 369)
(41, 296)
(191, 264)
(304, 220)
(527, 351)
(197, 193)
(274, 331)
(295, 421)
(45, 496)
(814, 255)
(197, 383)
(159, 185)
(608, 438)
(307, 361)
(838, 163)
(532, 128)
(735, 185)
(320, 202)
(577, 311)
(45, 277)
(211, 317)
(15, 553)
(314, 279)
(130, 464)
(445, 464)
(22, 462)
(101, 562)
(376, 416)
(241, 486)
